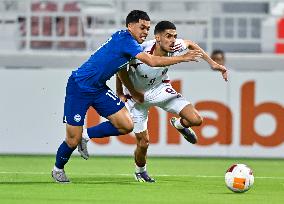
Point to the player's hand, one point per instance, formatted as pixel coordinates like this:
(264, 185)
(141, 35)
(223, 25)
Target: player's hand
(222, 69)
(192, 55)
(122, 97)
(137, 96)
(225, 75)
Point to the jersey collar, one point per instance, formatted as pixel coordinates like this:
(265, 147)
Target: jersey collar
(152, 49)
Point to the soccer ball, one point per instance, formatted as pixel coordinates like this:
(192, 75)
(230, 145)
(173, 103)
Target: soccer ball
(239, 178)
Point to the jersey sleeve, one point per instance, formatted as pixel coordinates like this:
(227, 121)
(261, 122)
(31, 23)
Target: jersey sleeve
(131, 47)
(180, 46)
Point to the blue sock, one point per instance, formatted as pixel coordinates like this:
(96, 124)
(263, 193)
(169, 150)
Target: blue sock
(63, 154)
(103, 130)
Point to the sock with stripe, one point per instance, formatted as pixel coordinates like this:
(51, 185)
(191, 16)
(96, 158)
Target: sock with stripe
(63, 154)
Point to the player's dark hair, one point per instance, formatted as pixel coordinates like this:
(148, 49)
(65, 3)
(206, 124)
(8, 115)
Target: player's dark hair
(164, 25)
(216, 52)
(135, 15)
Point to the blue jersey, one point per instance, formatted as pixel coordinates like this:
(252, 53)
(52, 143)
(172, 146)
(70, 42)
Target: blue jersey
(106, 61)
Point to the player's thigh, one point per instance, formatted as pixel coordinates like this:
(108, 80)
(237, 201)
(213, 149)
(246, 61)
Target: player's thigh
(75, 108)
(75, 105)
(73, 131)
(121, 120)
(73, 135)
(170, 100)
(74, 114)
(139, 115)
(107, 103)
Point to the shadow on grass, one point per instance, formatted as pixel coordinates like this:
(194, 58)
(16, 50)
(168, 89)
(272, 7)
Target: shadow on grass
(229, 193)
(76, 180)
(104, 180)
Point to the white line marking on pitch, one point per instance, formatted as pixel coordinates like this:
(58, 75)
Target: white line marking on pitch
(158, 175)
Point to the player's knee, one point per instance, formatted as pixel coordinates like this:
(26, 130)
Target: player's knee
(195, 121)
(199, 120)
(127, 128)
(73, 140)
(73, 135)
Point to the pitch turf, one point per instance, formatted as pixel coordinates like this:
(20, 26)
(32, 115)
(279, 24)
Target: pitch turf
(26, 179)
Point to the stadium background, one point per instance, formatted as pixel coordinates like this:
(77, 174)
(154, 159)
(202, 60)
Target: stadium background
(41, 42)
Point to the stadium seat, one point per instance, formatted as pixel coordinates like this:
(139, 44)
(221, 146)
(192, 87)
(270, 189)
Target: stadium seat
(46, 27)
(74, 28)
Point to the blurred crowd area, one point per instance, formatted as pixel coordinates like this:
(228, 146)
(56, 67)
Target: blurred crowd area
(233, 26)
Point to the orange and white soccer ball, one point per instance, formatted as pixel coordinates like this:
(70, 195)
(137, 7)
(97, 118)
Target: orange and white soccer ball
(239, 178)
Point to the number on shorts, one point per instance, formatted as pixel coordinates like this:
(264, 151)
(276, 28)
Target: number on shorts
(152, 81)
(111, 94)
(171, 91)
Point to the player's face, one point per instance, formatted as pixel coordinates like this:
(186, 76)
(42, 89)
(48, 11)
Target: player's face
(167, 39)
(139, 30)
(219, 58)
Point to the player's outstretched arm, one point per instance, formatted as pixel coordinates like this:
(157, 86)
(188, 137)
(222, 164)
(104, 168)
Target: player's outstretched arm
(214, 65)
(192, 45)
(158, 61)
(123, 78)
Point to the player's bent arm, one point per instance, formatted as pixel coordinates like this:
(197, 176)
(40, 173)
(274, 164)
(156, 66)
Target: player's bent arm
(124, 79)
(119, 89)
(192, 45)
(214, 65)
(157, 61)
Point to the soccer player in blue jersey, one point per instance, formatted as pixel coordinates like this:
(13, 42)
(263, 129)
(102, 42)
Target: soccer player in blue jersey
(87, 87)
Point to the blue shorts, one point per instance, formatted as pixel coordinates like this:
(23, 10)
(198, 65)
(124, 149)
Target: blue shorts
(104, 101)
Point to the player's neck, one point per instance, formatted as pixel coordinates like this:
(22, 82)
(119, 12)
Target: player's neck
(158, 51)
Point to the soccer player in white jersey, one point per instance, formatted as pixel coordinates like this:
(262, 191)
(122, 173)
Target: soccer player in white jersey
(154, 83)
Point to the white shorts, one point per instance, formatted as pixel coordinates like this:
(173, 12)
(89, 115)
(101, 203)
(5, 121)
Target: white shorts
(163, 96)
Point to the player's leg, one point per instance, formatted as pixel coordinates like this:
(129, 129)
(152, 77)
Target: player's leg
(73, 137)
(75, 108)
(119, 122)
(169, 100)
(142, 144)
(140, 156)
(139, 113)
(189, 117)
(110, 106)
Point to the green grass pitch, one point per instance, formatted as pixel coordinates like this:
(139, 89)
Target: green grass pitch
(27, 180)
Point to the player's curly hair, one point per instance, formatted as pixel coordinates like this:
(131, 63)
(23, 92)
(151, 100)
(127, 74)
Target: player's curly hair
(135, 15)
(163, 25)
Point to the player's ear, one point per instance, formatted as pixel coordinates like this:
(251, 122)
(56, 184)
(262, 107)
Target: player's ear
(157, 38)
(130, 26)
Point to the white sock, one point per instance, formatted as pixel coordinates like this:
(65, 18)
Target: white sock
(56, 169)
(85, 134)
(139, 169)
(178, 124)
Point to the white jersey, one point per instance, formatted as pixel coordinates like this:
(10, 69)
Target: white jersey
(154, 83)
(144, 77)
